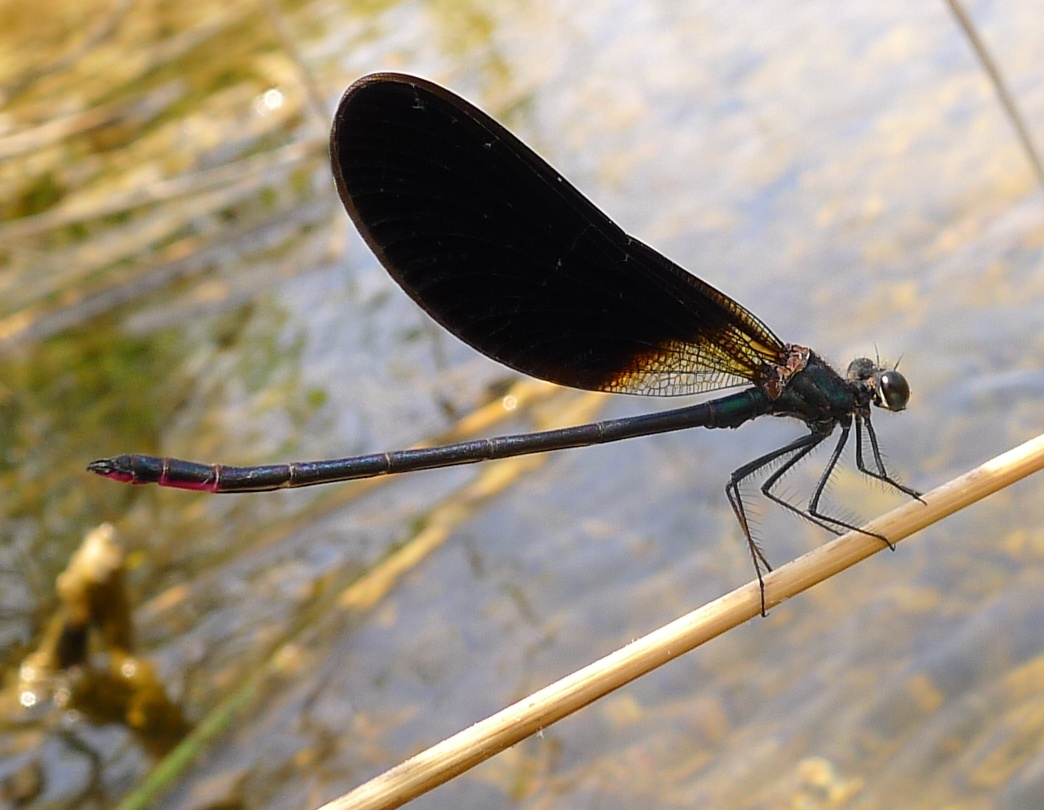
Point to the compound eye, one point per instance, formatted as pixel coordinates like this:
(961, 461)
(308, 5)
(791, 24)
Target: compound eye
(895, 390)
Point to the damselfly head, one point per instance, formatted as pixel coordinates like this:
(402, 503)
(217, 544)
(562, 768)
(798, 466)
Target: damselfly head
(888, 386)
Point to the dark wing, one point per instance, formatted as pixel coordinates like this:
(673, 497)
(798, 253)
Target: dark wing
(503, 252)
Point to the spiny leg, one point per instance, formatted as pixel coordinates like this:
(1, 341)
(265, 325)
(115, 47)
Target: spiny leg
(880, 474)
(732, 492)
(799, 449)
(824, 479)
(812, 513)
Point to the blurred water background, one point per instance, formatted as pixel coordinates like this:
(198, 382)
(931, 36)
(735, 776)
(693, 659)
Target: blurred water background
(179, 277)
